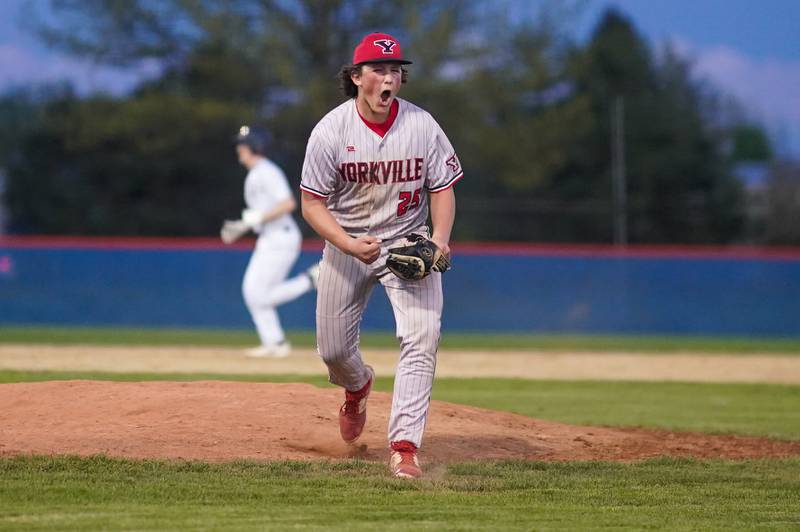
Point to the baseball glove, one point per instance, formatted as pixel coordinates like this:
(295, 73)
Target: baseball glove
(416, 258)
(233, 230)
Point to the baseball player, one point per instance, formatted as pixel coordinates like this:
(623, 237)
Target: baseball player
(375, 166)
(269, 204)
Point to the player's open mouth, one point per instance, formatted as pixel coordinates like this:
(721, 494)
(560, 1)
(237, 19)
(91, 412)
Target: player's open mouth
(386, 96)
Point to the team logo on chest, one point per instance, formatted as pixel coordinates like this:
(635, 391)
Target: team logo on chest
(386, 45)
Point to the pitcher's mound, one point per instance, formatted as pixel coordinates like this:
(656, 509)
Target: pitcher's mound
(221, 421)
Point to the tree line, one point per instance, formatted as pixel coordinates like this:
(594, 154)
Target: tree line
(527, 107)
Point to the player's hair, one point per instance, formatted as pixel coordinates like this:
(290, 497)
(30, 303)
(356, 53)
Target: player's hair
(349, 88)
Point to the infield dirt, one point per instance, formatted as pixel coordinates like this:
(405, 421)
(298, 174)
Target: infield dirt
(224, 421)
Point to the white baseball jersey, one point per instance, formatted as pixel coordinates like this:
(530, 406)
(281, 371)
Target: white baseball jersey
(265, 187)
(376, 185)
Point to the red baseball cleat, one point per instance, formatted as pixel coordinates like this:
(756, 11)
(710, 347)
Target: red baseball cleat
(353, 414)
(403, 461)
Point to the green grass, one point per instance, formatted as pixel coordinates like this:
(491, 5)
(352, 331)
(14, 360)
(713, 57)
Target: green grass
(755, 409)
(450, 340)
(100, 493)
(68, 493)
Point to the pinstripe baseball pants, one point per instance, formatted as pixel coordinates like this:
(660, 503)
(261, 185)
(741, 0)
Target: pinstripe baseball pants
(345, 285)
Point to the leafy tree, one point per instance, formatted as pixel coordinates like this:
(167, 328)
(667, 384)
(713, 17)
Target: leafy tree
(528, 111)
(101, 166)
(750, 143)
(680, 188)
(160, 161)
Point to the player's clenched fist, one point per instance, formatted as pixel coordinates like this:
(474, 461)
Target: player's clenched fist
(365, 248)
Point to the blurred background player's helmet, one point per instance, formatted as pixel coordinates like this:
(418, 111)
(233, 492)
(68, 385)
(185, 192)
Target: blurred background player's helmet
(255, 138)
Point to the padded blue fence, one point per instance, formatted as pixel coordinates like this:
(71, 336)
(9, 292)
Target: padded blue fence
(484, 292)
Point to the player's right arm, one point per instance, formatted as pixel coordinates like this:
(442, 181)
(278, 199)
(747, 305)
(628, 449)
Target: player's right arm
(315, 212)
(317, 183)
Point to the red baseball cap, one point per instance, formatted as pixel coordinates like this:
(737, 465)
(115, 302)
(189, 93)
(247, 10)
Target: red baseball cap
(378, 48)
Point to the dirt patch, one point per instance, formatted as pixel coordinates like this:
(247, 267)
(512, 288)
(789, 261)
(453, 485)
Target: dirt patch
(223, 421)
(686, 367)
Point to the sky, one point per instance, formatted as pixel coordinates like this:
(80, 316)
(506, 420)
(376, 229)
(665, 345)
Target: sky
(749, 49)
(25, 60)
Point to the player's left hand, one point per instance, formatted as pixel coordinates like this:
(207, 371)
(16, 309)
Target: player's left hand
(416, 258)
(444, 246)
(233, 230)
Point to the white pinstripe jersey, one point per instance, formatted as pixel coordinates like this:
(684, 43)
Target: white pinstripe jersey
(377, 185)
(264, 187)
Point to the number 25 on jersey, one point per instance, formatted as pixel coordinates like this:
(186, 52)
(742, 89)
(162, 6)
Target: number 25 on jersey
(408, 201)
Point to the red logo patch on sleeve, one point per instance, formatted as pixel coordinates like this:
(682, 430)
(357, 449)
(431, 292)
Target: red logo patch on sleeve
(453, 163)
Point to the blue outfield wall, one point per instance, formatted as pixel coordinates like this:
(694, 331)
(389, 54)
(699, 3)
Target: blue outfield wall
(488, 290)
